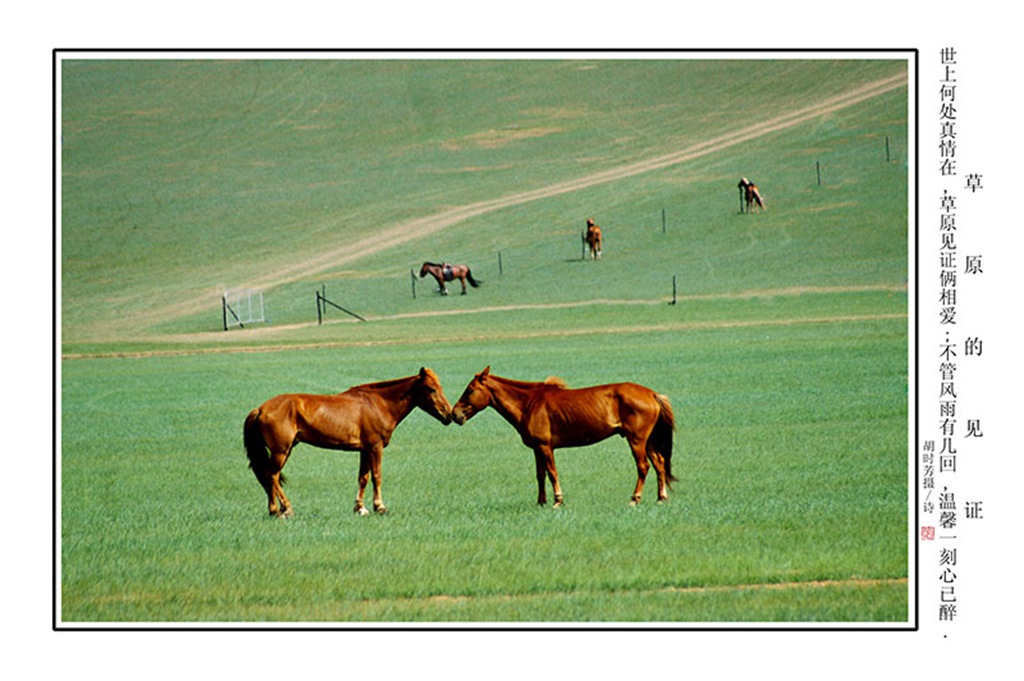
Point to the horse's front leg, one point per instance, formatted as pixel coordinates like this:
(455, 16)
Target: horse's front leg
(376, 456)
(364, 477)
(542, 495)
(545, 459)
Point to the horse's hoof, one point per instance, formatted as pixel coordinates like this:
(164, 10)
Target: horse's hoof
(381, 510)
(361, 510)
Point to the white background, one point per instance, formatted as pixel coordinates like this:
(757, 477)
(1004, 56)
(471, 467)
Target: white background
(979, 641)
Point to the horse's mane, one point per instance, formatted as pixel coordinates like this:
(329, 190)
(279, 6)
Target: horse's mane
(433, 264)
(550, 380)
(381, 385)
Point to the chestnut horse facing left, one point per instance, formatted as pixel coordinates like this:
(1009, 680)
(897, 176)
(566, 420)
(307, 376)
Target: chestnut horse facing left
(360, 419)
(548, 416)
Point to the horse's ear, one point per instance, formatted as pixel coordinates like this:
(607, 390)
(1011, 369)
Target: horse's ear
(423, 372)
(486, 372)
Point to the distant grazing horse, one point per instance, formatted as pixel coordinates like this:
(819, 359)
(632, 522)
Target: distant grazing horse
(751, 196)
(360, 419)
(593, 239)
(549, 416)
(447, 272)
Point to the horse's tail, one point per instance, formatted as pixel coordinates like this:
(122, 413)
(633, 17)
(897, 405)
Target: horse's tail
(256, 447)
(660, 440)
(472, 282)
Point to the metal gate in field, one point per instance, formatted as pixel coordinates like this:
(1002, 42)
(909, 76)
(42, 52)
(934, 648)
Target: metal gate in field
(242, 307)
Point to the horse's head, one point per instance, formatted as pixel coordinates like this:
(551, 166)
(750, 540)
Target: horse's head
(476, 397)
(424, 271)
(430, 397)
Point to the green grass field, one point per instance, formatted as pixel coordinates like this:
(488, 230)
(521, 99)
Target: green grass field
(785, 355)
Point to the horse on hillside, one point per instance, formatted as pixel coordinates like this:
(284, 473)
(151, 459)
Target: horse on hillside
(444, 272)
(593, 239)
(548, 416)
(360, 419)
(751, 195)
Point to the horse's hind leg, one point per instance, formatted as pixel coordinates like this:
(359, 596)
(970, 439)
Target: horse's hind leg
(463, 280)
(266, 479)
(286, 506)
(272, 484)
(658, 461)
(640, 455)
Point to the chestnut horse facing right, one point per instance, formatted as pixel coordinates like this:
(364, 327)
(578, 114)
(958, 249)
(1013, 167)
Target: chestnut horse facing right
(548, 416)
(361, 419)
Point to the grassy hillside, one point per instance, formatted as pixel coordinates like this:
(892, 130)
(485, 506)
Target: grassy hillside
(181, 179)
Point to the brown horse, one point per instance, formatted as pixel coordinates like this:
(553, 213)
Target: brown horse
(751, 195)
(593, 239)
(549, 416)
(360, 419)
(444, 272)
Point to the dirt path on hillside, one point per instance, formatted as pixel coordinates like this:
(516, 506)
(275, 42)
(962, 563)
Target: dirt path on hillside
(270, 337)
(631, 330)
(431, 224)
